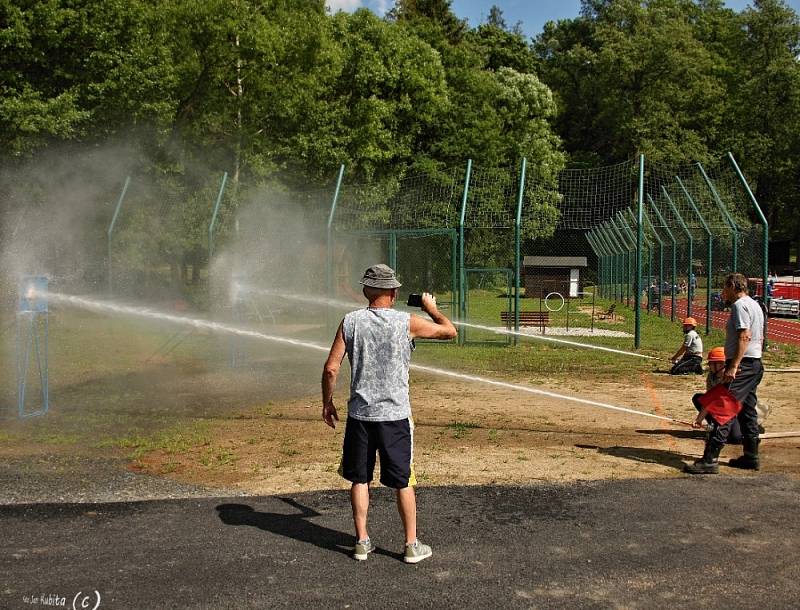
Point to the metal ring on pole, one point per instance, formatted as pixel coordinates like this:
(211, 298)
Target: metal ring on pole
(559, 295)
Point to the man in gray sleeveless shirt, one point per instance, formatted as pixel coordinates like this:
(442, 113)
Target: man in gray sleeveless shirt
(744, 337)
(378, 341)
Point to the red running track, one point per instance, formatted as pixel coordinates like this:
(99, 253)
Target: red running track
(778, 329)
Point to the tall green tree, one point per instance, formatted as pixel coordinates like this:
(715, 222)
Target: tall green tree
(633, 77)
(766, 109)
(502, 47)
(80, 70)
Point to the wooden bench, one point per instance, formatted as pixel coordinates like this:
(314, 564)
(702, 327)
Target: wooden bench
(526, 318)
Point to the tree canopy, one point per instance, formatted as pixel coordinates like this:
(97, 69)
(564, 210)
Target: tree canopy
(271, 90)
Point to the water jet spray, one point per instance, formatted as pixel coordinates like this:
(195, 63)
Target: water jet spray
(143, 312)
(500, 331)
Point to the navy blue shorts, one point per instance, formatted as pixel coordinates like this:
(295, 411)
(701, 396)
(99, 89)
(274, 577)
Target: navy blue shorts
(392, 440)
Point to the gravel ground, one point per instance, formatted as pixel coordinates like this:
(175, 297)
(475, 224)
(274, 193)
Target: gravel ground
(717, 542)
(79, 479)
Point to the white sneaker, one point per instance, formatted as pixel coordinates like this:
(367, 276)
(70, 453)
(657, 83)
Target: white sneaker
(416, 552)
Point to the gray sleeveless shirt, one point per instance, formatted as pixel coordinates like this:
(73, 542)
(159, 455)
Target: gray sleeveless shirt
(379, 349)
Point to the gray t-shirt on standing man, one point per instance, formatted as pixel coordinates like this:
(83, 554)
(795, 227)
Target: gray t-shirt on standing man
(745, 313)
(379, 349)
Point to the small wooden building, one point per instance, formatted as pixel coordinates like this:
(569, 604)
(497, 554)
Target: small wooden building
(546, 274)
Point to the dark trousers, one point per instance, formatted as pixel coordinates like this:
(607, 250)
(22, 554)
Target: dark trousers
(743, 388)
(687, 365)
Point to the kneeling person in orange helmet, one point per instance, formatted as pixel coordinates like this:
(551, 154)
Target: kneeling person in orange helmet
(689, 358)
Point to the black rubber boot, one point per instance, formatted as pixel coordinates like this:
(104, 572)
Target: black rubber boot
(709, 463)
(749, 461)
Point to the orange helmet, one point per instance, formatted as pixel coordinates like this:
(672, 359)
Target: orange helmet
(716, 354)
(690, 321)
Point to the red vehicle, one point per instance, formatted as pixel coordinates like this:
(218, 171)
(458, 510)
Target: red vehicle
(784, 298)
(780, 290)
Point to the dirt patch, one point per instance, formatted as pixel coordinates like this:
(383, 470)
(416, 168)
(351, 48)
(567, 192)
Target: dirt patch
(600, 315)
(470, 434)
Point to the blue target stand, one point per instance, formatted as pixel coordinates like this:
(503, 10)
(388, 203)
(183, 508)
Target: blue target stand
(32, 334)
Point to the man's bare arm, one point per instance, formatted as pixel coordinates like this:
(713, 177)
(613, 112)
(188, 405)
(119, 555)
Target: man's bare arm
(329, 374)
(438, 327)
(741, 347)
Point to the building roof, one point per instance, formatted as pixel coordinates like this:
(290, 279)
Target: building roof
(554, 261)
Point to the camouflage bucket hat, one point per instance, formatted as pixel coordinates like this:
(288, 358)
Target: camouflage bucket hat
(380, 276)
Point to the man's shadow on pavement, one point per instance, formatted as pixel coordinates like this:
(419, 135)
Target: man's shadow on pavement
(647, 455)
(296, 526)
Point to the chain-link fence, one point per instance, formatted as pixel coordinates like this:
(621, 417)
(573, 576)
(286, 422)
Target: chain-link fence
(698, 225)
(535, 251)
(409, 224)
(522, 248)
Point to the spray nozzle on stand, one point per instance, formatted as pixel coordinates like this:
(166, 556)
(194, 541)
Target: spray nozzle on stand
(33, 294)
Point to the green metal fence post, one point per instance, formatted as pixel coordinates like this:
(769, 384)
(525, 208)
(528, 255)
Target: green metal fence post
(629, 247)
(728, 219)
(660, 259)
(214, 217)
(329, 287)
(462, 289)
(607, 251)
(627, 227)
(630, 254)
(628, 239)
(393, 249)
(628, 224)
(609, 269)
(690, 249)
(615, 248)
(765, 234)
(663, 224)
(111, 230)
(454, 271)
(709, 253)
(517, 239)
(637, 339)
(593, 245)
(647, 244)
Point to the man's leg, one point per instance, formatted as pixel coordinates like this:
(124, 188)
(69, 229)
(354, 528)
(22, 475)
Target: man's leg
(358, 463)
(749, 460)
(735, 436)
(359, 499)
(744, 387)
(407, 506)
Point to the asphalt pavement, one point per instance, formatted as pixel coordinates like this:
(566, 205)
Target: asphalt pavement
(713, 542)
